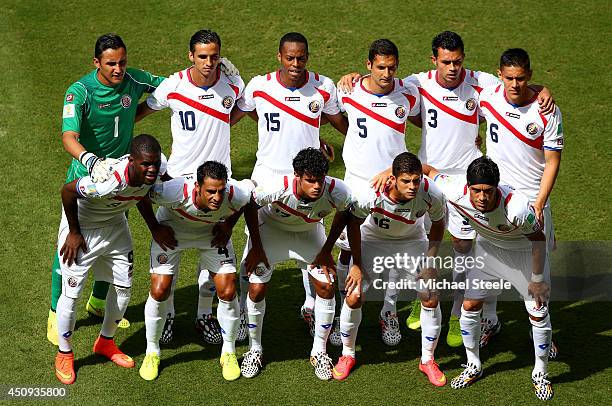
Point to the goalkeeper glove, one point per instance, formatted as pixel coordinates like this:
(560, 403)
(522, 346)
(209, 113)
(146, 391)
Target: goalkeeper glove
(99, 169)
(228, 68)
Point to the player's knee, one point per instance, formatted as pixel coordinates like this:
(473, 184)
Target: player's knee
(471, 305)
(325, 290)
(226, 292)
(257, 292)
(160, 287)
(430, 303)
(345, 257)
(353, 301)
(462, 246)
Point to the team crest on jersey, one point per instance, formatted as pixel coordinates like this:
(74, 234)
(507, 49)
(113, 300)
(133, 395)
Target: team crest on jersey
(420, 213)
(126, 101)
(532, 128)
(504, 227)
(470, 104)
(72, 282)
(162, 258)
(400, 112)
(260, 270)
(227, 102)
(323, 213)
(69, 97)
(314, 106)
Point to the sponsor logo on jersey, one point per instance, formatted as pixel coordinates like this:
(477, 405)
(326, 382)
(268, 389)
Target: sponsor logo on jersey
(304, 207)
(103, 105)
(400, 112)
(126, 101)
(450, 98)
(379, 104)
(470, 104)
(292, 98)
(314, 106)
(226, 261)
(68, 111)
(227, 102)
(402, 210)
(420, 213)
(69, 97)
(323, 213)
(480, 216)
(532, 128)
(512, 115)
(206, 96)
(162, 258)
(504, 227)
(72, 282)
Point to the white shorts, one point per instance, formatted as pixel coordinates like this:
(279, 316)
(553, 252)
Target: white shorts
(355, 183)
(262, 173)
(281, 245)
(513, 266)
(215, 260)
(109, 254)
(375, 270)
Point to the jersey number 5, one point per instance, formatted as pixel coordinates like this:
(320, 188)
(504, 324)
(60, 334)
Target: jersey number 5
(363, 130)
(272, 121)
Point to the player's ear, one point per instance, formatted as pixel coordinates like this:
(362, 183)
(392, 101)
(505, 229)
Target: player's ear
(433, 60)
(499, 74)
(279, 56)
(190, 56)
(96, 62)
(368, 64)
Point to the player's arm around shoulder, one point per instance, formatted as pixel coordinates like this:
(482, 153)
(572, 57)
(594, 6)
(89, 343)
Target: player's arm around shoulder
(171, 194)
(437, 208)
(147, 80)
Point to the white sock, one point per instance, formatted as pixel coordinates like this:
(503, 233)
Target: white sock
(390, 302)
(66, 320)
(206, 287)
(256, 313)
(154, 315)
(117, 301)
(431, 324)
(489, 309)
(542, 338)
(244, 286)
(349, 325)
(325, 310)
(460, 277)
(228, 314)
(470, 332)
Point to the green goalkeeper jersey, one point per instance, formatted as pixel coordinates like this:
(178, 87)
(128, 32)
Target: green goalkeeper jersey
(103, 116)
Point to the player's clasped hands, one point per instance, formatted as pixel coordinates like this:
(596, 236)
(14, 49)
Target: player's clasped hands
(70, 249)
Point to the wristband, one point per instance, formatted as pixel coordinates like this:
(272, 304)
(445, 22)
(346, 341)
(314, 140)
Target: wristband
(537, 278)
(87, 159)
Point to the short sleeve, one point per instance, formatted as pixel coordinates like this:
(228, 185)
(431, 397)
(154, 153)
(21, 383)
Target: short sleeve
(437, 210)
(241, 193)
(485, 79)
(75, 103)
(411, 92)
(412, 80)
(341, 195)
(88, 189)
(452, 186)
(330, 105)
(339, 95)
(553, 132)
(362, 204)
(159, 98)
(522, 214)
(270, 190)
(147, 79)
(238, 83)
(247, 102)
(169, 194)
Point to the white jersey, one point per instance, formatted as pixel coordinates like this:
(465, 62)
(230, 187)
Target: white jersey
(289, 118)
(178, 207)
(376, 126)
(506, 225)
(517, 137)
(200, 121)
(104, 204)
(281, 205)
(388, 219)
(450, 119)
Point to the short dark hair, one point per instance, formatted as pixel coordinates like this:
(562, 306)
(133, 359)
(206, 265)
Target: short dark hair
(310, 161)
(293, 37)
(213, 170)
(406, 162)
(204, 37)
(144, 144)
(448, 40)
(515, 57)
(108, 41)
(483, 171)
(382, 47)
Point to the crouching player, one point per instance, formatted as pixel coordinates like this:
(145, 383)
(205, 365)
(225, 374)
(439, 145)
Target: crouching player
(394, 227)
(193, 210)
(94, 233)
(289, 226)
(512, 247)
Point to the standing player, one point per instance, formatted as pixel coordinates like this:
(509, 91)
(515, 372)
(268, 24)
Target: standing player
(289, 226)
(201, 98)
(288, 105)
(192, 209)
(377, 110)
(94, 230)
(98, 121)
(392, 228)
(512, 247)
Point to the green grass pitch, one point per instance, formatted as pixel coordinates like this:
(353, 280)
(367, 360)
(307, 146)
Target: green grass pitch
(46, 45)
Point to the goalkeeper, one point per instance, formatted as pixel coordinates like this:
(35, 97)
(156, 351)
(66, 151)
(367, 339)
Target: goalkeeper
(97, 126)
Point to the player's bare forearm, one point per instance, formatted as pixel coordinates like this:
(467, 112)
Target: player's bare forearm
(538, 252)
(145, 208)
(435, 237)
(70, 141)
(162, 234)
(237, 114)
(429, 170)
(252, 222)
(549, 177)
(339, 222)
(353, 232)
(71, 208)
(338, 121)
(234, 217)
(545, 98)
(142, 111)
(379, 181)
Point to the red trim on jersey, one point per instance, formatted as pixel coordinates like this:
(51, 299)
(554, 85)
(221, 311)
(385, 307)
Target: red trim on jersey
(234, 88)
(302, 117)
(429, 75)
(425, 184)
(497, 88)
(544, 120)
(295, 188)
(316, 76)
(323, 93)
(473, 119)
(190, 217)
(375, 94)
(391, 215)
(411, 99)
(386, 193)
(457, 85)
(268, 76)
(297, 213)
(477, 88)
(126, 173)
(472, 73)
(401, 82)
(286, 181)
(117, 176)
(199, 106)
(126, 198)
(332, 185)
(465, 189)
(507, 199)
(527, 103)
(231, 194)
(278, 79)
(399, 127)
(466, 214)
(537, 143)
(180, 74)
(185, 191)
